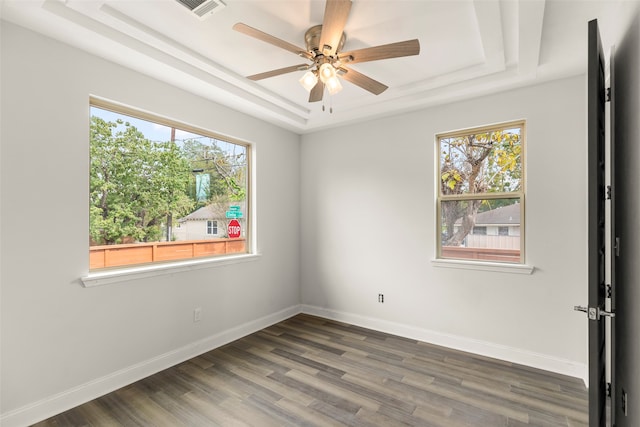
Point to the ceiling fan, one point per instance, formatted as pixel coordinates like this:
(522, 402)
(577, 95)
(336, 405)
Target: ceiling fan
(324, 45)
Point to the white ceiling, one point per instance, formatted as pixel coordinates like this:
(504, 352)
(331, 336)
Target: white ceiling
(468, 48)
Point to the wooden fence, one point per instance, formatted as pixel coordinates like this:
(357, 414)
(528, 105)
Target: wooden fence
(481, 254)
(142, 253)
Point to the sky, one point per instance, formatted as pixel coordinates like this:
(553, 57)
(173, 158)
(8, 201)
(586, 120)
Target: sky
(152, 131)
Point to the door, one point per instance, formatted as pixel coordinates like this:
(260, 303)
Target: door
(596, 227)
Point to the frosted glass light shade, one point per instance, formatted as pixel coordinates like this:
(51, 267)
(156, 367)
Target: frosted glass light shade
(309, 80)
(333, 85)
(327, 72)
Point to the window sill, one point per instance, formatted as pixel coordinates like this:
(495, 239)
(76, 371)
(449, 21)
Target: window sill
(106, 277)
(484, 266)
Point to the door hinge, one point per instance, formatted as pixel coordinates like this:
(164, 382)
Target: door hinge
(594, 313)
(608, 389)
(608, 94)
(608, 193)
(608, 291)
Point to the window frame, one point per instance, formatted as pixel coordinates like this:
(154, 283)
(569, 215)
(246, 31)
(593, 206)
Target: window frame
(211, 227)
(519, 195)
(124, 272)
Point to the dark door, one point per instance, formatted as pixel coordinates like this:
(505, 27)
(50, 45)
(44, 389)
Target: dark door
(625, 113)
(614, 242)
(596, 227)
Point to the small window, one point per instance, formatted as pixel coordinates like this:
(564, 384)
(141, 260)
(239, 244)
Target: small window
(480, 231)
(480, 202)
(158, 189)
(212, 227)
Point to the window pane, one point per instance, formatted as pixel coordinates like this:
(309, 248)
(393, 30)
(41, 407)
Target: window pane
(477, 163)
(146, 178)
(481, 229)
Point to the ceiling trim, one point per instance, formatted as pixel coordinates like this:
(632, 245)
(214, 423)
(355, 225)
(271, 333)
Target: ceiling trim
(530, 21)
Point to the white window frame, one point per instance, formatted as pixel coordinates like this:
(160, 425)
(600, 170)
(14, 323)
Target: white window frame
(142, 271)
(211, 227)
(497, 266)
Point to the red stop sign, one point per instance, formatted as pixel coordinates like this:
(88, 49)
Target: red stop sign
(233, 230)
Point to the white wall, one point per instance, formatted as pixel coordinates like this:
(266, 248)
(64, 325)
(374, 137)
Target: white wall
(57, 336)
(357, 178)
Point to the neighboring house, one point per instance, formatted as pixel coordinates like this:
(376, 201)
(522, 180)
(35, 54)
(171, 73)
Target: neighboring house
(208, 222)
(498, 228)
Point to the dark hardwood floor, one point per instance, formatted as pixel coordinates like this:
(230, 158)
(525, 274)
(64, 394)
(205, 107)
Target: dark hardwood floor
(309, 371)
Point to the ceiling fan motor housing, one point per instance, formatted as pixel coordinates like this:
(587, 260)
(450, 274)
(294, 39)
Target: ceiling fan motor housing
(312, 40)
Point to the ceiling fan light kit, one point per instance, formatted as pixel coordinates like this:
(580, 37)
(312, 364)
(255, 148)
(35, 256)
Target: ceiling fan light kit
(309, 80)
(324, 45)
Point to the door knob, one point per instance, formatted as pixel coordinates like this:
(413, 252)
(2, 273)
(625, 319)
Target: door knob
(594, 313)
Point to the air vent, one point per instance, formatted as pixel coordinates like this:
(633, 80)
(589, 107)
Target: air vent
(202, 8)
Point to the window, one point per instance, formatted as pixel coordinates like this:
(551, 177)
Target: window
(480, 196)
(212, 227)
(159, 190)
(480, 231)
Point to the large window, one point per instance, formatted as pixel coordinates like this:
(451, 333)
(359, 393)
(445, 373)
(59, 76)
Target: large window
(163, 191)
(480, 202)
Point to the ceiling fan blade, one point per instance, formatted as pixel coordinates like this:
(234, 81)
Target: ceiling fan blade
(392, 50)
(273, 73)
(317, 92)
(336, 13)
(268, 38)
(359, 79)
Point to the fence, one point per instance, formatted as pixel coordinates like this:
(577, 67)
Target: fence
(141, 253)
(481, 254)
(498, 242)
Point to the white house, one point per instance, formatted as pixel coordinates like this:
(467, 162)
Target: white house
(497, 228)
(208, 222)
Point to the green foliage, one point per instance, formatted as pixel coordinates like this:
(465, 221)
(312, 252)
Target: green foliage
(134, 183)
(226, 171)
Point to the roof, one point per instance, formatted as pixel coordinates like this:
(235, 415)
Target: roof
(507, 215)
(213, 211)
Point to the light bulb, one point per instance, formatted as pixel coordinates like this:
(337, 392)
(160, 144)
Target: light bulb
(326, 72)
(333, 85)
(309, 80)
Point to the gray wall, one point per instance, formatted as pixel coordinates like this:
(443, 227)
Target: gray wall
(61, 342)
(626, 81)
(358, 179)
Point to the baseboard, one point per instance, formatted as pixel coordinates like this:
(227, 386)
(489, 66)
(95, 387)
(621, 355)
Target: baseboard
(510, 354)
(68, 399)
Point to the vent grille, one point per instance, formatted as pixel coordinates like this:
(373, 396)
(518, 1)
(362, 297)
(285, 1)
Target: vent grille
(202, 8)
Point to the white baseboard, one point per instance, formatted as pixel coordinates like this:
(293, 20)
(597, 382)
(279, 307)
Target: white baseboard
(68, 399)
(509, 354)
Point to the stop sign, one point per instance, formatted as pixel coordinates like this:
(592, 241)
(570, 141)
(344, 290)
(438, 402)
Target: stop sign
(233, 230)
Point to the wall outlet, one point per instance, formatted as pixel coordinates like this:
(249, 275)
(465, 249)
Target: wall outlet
(197, 314)
(381, 298)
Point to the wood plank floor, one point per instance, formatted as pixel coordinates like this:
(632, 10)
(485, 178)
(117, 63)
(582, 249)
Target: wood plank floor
(309, 371)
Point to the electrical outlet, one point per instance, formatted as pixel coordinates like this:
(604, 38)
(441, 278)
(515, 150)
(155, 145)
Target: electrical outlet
(197, 314)
(381, 298)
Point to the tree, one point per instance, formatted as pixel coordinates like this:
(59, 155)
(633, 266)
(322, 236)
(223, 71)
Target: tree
(225, 171)
(135, 183)
(472, 166)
